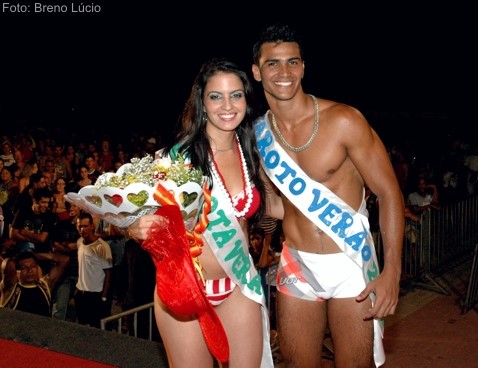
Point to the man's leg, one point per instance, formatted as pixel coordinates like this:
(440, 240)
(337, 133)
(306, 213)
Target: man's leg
(61, 300)
(301, 327)
(352, 336)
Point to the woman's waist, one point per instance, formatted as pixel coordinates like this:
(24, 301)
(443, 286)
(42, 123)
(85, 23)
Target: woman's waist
(211, 268)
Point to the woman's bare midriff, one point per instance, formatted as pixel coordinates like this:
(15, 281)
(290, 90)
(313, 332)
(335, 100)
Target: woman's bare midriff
(211, 268)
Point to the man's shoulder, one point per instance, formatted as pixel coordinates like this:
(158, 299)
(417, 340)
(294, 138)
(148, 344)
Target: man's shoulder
(48, 216)
(43, 282)
(338, 108)
(100, 245)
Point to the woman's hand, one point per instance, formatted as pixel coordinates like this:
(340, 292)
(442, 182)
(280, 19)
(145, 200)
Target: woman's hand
(141, 228)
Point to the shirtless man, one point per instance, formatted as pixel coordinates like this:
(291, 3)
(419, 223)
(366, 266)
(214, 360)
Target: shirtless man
(320, 154)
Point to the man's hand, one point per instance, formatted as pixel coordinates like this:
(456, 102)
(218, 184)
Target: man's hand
(386, 288)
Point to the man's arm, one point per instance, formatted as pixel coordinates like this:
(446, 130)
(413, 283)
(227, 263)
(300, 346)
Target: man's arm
(370, 157)
(64, 246)
(9, 275)
(59, 261)
(31, 236)
(274, 206)
(106, 283)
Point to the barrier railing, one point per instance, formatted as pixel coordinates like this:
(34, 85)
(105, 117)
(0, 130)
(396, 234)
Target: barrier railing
(471, 298)
(441, 240)
(118, 318)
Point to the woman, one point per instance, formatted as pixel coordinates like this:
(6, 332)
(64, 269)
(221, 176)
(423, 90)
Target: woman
(218, 137)
(28, 169)
(84, 178)
(74, 159)
(59, 202)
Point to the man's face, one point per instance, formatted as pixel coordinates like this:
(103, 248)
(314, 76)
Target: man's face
(29, 274)
(90, 162)
(43, 204)
(46, 180)
(280, 69)
(58, 151)
(85, 228)
(50, 166)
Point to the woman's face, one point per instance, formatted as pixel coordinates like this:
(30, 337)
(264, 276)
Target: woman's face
(7, 149)
(60, 185)
(84, 172)
(256, 241)
(224, 101)
(6, 175)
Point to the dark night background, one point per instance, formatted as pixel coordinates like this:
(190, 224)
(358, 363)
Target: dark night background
(410, 69)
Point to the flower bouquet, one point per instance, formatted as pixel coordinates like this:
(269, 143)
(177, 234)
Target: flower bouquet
(122, 197)
(179, 193)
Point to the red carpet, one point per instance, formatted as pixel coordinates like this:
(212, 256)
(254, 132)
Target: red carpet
(16, 355)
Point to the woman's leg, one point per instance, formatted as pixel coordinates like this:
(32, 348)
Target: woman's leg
(242, 320)
(182, 338)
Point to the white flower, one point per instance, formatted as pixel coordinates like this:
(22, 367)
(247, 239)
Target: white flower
(150, 172)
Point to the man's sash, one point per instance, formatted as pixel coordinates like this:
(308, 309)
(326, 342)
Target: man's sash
(231, 248)
(348, 228)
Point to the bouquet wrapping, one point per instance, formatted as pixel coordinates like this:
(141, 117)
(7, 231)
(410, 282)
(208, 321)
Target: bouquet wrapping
(180, 194)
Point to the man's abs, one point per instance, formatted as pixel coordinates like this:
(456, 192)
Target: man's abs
(301, 234)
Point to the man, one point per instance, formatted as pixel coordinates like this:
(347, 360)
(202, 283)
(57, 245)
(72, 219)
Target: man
(25, 198)
(32, 226)
(424, 198)
(91, 164)
(64, 241)
(22, 286)
(328, 272)
(94, 274)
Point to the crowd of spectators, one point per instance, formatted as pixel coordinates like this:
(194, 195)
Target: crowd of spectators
(38, 167)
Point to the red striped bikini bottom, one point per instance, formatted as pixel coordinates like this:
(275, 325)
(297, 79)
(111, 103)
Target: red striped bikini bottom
(218, 290)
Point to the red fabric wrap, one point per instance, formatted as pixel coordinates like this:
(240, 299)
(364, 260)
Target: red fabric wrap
(177, 283)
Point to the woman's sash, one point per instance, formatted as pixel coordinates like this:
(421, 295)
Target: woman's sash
(231, 247)
(348, 228)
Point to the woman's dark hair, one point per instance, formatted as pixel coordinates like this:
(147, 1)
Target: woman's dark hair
(257, 230)
(192, 134)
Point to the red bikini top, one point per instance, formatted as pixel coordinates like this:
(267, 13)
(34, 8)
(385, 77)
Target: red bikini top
(239, 202)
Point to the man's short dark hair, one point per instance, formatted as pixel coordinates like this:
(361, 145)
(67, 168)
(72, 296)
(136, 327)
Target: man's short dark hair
(85, 215)
(40, 193)
(24, 255)
(274, 34)
(36, 177)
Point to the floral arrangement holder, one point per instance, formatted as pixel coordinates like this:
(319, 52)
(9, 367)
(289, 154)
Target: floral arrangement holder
(122, 197)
